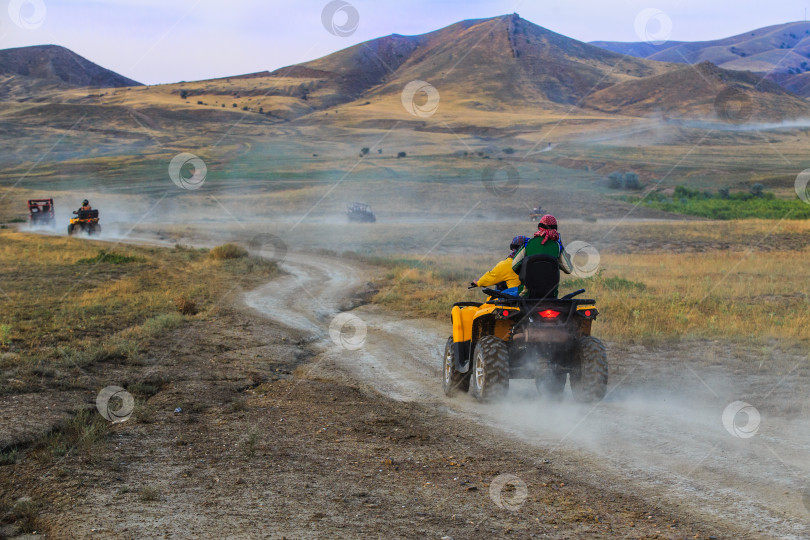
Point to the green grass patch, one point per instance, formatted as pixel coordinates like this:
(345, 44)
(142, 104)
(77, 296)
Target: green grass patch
(725, 205)
(83, 432)
(613, 283)
(735, 209)
(105, 257)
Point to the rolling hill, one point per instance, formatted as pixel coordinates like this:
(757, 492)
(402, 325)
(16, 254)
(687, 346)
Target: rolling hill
(59, 66)
(497, 65)
(714, 94)
(781, 52)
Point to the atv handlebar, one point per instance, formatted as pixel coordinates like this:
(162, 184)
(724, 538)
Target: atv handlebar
(573, 294)
(498, 294)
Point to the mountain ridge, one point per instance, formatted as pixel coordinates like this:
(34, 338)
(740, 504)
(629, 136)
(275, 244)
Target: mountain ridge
(59, 65)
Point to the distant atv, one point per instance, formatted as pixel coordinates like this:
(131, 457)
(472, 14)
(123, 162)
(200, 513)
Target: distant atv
(40, 213)
(537, 337)
(361, 213)
(536, 213)
(86, 221)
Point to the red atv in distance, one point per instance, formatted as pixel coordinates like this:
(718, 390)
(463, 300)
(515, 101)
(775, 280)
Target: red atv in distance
(40, 213)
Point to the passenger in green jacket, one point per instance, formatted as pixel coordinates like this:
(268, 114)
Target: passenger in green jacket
(546, 241)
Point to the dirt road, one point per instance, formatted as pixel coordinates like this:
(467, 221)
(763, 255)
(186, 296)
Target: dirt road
(659, 434)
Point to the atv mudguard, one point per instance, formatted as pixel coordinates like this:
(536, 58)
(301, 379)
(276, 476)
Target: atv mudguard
(468, 318)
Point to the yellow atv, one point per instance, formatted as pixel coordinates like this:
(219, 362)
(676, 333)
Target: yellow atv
(538, 337)
(85, 221)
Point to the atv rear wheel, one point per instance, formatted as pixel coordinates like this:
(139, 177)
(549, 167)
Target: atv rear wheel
(490, 369)
(589, 380)
(551, 383)
(452, 380)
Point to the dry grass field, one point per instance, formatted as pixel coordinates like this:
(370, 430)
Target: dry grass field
(653, 285)
(68, 304)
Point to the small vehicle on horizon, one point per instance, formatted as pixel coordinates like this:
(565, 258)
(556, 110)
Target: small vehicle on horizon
(86, 221)
(41, 213)
(538, 337)
(361, 213)
(536, 213)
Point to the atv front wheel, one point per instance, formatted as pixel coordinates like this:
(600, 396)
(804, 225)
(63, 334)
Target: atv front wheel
(589, 380)
(490, 370)
(70, 230)
(551, 383)
(453, 381)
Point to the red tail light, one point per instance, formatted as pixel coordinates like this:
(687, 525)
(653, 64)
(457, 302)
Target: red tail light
(549, 314)
(505, 313)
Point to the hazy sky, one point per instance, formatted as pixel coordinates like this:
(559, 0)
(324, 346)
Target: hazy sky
(157, 41)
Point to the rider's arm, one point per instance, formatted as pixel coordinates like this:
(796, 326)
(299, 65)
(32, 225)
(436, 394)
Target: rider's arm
(518, 259)
(565, 261)
(501, 272)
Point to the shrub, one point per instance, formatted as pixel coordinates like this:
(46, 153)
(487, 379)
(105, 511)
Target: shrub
(5, 335)
(509, 151)
(757, 190)
(149, 494)
(402, 155)
(185, 305)
(623, 180)
(228, 251)
(365, 150)
(183, 94)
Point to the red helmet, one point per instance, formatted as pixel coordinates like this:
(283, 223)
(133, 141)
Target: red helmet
(547, 222)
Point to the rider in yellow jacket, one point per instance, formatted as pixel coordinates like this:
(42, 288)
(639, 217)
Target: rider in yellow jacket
(502, 272)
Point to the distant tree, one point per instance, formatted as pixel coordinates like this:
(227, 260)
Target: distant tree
(631, 181)
(402, 155)
(379, 150)
(509, 151)
(199, 103)
(757, 190)
(724, 192)
(364, 151)
(183, 94)
(245, 108)
(615, 180)
(235, 106)
(261, 110)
